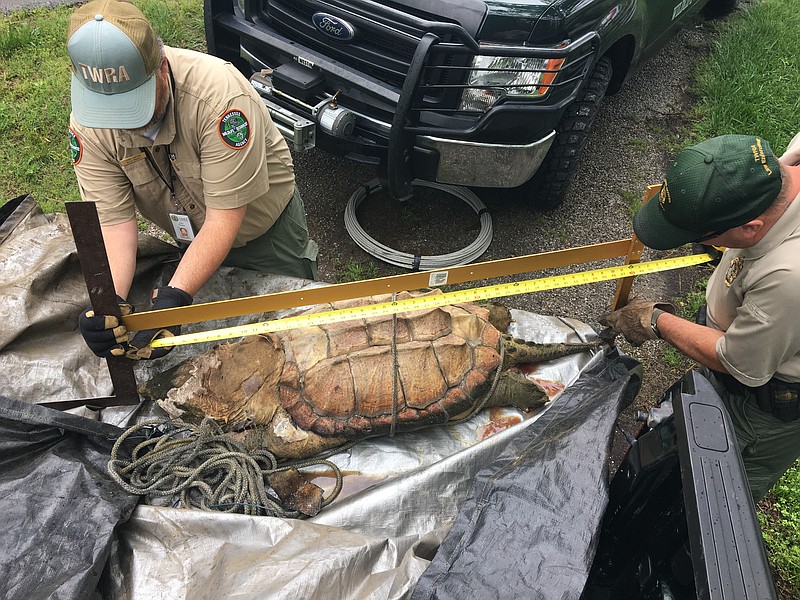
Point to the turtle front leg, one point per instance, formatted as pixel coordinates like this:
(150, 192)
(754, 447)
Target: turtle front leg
(514, 389)
(518, 351)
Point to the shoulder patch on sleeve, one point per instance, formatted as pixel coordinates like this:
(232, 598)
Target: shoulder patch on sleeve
(234, 129)
(75, 147)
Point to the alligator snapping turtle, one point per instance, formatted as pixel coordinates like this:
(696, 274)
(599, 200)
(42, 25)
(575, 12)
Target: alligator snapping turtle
(310, 389)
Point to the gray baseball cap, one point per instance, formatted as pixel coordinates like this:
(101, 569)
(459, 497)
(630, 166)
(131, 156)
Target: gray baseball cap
(115, 59)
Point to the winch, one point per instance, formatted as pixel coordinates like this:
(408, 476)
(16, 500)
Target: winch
(300, 85)
(334, 119)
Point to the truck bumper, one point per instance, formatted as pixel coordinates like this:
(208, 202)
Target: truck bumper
(487, 165)
(449, 161)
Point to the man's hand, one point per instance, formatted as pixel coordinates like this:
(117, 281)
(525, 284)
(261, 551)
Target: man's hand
(634, 320)
(163, 297)
(104, 334)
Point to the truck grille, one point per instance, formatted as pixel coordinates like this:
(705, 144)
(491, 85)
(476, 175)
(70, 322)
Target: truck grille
(378, 50)
(385, 45)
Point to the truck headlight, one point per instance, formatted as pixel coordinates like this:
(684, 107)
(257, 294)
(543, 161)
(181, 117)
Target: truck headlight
(495, 77)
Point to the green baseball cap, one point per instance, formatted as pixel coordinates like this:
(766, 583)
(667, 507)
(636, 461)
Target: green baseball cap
(714, 186)
(115, 59)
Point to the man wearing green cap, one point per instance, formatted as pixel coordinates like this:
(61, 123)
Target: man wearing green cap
(732, 192)
(183, 138)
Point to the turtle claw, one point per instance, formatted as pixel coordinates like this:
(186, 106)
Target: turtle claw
(608, 335)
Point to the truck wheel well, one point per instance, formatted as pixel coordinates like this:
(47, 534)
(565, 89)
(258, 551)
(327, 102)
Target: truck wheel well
(620, 55)
(546, 189)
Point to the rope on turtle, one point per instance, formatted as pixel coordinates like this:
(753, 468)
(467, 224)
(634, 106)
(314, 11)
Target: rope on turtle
(395, 371)
(480, 405)
(205, 468)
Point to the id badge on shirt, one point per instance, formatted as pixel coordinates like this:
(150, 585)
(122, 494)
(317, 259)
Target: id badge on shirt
(182, 227)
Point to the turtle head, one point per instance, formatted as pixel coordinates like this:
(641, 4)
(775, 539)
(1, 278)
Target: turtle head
(499, 316)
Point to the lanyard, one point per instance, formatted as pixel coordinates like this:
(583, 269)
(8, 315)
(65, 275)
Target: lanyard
(170, 157)
(167, 181)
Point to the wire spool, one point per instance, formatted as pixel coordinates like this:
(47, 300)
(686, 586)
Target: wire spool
(411, 261)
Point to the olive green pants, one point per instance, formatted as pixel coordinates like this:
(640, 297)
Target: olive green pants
(285, 249)
(768, 446)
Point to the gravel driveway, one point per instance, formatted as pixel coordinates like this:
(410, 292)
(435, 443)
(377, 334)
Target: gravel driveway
(625, 153)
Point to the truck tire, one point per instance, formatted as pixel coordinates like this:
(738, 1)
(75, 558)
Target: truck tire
(719, 8)
(546, 189)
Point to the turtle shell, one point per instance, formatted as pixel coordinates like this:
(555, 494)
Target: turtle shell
(339, 379)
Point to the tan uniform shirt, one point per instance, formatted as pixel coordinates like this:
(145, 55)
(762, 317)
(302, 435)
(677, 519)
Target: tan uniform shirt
(753, 297)
(224, 149)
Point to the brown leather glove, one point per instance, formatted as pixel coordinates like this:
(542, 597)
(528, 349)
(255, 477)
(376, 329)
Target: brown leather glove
(633, 320)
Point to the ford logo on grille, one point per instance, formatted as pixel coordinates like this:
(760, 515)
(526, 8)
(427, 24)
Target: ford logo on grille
(333, 26)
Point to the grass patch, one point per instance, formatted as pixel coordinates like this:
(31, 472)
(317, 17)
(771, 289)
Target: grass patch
(34, 110)
(355, 271)
(632, 200)
(15, 38)
(691, 302)
(687, 307)
(670, 140)
(779, 515)
(638, 144)
(751, 80)
(675, 359)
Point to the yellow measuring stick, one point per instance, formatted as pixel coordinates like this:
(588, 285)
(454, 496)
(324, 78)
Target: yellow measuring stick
(425, 302)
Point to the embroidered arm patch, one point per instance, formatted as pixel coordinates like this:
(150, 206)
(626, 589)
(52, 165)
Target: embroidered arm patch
(234, 129)
(75, 147)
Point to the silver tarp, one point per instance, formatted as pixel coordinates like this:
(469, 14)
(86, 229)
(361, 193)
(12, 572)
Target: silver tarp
(400, 497)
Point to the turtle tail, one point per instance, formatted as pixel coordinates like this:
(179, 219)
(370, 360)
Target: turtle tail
(519, 351)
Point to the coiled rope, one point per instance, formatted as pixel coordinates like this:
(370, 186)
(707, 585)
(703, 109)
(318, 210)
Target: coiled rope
(411, 261)
(201, 467)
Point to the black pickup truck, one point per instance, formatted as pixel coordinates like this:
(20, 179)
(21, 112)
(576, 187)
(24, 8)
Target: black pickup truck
(483, 93)
(680, 523)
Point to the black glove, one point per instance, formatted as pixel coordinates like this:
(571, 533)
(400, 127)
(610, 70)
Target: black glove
(163, 297)
(104, 334)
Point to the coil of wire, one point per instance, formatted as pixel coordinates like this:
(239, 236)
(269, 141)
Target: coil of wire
(417, 262)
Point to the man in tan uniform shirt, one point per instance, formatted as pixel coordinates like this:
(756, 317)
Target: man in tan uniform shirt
(731, 191)
(185, 139)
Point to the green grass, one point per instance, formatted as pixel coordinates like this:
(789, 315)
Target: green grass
(674, 359)
(34, 110)
(632, 200)
(355, 271)
(686, 307)
(751, 82)
(780, 525)
(638, 144)
(690, 303)
(35, 98)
